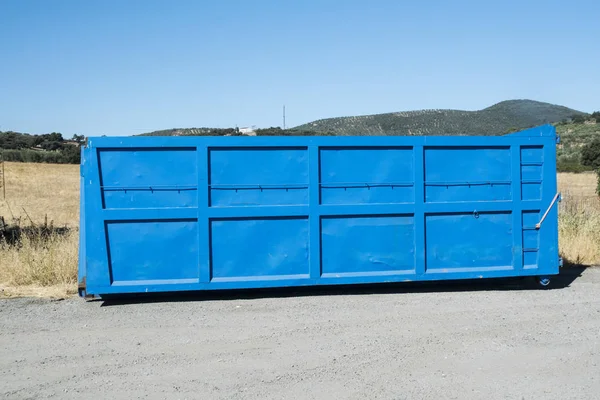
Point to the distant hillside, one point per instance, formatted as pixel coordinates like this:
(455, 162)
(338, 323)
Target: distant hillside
(573, 138)
(577, 130)
(495, 120)
(273, 131)
(192, 132)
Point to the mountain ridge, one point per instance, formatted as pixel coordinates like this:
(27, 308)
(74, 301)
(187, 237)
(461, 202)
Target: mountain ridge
(496, 119)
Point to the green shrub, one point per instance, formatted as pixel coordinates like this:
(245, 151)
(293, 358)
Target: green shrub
(68, 155)
(570, 166)
(590, 154)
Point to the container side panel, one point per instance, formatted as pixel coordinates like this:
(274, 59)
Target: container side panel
(517, 208)
(213, 213)
(148, 178)
(97, 265)
(258, 176)
(314, 218)
(467, 174)
(201, 212)
(532, 164)
(532, 154)
(531, 173)
(530, 218)
(274, 248)
(469, 241)
(531, 191)
(531, 239)
(368, 245)
(548, 259)
(419, 211)
(82, 258)
(367, 175)
(141, 251)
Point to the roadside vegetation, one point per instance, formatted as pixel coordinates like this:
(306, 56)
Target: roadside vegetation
(47, 148)
(579, 145)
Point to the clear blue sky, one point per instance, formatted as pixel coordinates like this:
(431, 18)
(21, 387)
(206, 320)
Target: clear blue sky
(126, 67)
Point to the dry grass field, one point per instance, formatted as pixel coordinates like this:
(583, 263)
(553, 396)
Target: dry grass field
(35, 192)
(38, 191)
(579, 219)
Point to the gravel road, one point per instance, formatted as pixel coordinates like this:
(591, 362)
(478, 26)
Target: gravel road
(451, 341)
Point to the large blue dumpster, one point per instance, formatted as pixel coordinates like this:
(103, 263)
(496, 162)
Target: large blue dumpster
(203, 213)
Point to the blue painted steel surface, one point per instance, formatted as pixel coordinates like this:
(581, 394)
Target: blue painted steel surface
(202, 213)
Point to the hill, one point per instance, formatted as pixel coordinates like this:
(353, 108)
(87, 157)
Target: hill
(498, 119)
(273, 131)
(573, 138)
(192, 132)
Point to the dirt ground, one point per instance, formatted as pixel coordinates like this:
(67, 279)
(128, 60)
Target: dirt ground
(480, 340)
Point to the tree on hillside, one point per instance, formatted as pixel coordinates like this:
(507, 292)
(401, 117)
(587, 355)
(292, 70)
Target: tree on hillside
(71, 155)
(578, 119)
(23, 147)
(15, 140)
(590, 154)
(596, 115)
(78, 138)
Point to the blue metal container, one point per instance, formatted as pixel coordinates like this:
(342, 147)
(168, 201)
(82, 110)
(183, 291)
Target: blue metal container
(202, 213)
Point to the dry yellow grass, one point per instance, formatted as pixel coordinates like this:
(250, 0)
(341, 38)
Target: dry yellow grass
(38, 191)
(41, 268)
(42, 189)
(53, 191)
(579, 219)
(581, 186)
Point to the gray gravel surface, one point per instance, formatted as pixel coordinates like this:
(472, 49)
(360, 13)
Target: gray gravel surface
(452, 341)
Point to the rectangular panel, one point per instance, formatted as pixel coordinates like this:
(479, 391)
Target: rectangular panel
(532, 154)
(531, 238)
(141, 251)
(258, 176)
(531, 173)
(531, 191)
(368, 245)
(468, 241)
(530, 259)
(532, 160)
(148, 178)
(467, 174)
(272, 248)
(367, 175)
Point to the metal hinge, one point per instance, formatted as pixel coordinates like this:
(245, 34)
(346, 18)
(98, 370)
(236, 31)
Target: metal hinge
(81, 286)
